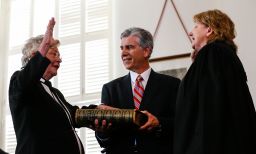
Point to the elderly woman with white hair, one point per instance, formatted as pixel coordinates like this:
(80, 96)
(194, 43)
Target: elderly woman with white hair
(43, 120)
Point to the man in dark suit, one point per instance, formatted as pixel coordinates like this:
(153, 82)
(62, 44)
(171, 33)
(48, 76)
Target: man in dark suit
(155, 96)
(43, 120)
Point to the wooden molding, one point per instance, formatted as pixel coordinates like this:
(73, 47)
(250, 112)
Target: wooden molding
(184, 55)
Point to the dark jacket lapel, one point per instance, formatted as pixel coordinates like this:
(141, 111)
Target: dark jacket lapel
(149, 90)
(127, 91)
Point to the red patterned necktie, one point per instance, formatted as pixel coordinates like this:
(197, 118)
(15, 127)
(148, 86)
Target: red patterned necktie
(138, 92)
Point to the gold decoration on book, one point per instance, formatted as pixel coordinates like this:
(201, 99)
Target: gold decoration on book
(86, 117)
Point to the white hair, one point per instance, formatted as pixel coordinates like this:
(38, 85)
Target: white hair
(30, 47)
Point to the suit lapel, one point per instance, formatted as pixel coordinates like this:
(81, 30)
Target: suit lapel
(127, 91)
(43, 91)
(149, 90)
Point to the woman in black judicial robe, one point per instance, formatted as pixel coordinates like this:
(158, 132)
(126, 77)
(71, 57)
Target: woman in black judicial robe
(215, 112)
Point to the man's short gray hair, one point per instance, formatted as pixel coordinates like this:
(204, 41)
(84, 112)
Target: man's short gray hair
(30, 47)
(145, 37)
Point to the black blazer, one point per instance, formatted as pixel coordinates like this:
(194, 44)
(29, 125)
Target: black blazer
(2, 152)
(40, 123)
(159, 99)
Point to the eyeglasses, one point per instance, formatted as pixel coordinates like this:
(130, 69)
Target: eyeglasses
(54, 52)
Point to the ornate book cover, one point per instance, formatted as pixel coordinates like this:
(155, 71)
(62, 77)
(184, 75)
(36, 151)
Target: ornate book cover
(86, 117)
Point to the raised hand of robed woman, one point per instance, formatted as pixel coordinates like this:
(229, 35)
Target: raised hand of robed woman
(45, 45)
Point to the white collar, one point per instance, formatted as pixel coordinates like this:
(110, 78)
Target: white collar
(144, 75)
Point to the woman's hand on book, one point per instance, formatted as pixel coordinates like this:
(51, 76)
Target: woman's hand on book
(106, 107)
(102, 126)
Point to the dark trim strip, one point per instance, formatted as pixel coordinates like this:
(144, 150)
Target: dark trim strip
(184, 55)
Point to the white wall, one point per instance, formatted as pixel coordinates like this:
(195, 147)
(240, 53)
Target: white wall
(171, 39)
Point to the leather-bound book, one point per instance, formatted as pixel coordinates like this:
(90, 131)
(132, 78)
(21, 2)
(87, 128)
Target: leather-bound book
(86, 117)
